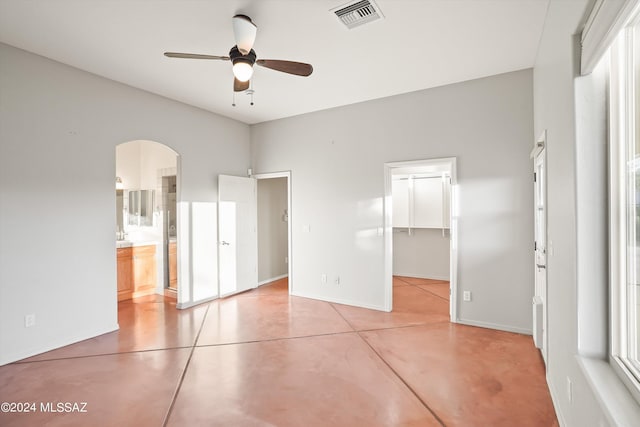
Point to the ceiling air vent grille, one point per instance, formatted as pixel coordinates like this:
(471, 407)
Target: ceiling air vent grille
(358, 13)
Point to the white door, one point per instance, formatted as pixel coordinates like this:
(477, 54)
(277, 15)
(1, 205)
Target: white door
(540, 247)
(237, 231)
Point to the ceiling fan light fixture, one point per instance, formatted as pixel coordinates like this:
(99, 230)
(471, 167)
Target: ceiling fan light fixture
(242, 70)
(245, 33)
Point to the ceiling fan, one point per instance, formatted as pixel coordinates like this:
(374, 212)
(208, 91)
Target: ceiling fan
(243, 57)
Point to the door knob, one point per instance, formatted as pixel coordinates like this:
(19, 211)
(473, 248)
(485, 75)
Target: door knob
(223, 243)
(541, 266)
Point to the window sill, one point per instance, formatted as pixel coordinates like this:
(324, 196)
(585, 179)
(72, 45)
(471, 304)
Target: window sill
(617, 403)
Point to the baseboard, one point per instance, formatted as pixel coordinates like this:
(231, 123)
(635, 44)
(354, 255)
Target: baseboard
(339, 301)
(554, 401)
(495, 326)
(170, 293)
(424, 276)
(273, 279)
(14, 357)
(189, 304)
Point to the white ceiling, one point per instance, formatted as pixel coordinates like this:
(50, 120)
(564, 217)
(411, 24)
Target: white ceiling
(419, 44)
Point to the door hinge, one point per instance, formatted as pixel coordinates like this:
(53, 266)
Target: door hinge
(535, 176)
(535, 246)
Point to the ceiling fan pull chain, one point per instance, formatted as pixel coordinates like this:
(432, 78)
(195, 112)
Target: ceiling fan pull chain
(233, 104)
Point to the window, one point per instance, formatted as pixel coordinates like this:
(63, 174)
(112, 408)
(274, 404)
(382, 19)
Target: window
(624, 126)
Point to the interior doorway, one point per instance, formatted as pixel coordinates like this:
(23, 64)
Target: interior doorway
(147, 191)
(274, 228)
(421, 227)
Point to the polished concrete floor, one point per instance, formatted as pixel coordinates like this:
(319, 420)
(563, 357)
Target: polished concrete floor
(264, 358)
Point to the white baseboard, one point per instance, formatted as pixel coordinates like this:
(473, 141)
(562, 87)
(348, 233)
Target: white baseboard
(55, 344)
(554, 400)
(424, 276)
(273, 279)
(496, 326)
(339, 301)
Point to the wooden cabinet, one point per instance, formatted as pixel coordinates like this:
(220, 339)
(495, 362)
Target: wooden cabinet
(136, 271)
(173, 265)
(125, 273)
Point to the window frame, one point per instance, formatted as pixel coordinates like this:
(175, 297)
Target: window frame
(623, 130)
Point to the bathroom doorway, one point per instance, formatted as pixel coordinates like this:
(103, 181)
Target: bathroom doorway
(147, 235)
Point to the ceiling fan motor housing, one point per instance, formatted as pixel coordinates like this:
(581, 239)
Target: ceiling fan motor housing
(237, 56)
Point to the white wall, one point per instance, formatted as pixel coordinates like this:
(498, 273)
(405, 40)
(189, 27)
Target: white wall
(272, 229)
(424, 253)
(128, 164)
(336, 157)
(554, 74)
(154, 156)
(59, 127)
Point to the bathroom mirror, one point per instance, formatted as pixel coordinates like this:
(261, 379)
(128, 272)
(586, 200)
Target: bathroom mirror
(140, 211)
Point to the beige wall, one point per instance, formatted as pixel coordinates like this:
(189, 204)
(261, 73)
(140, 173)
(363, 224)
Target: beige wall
(272, 228)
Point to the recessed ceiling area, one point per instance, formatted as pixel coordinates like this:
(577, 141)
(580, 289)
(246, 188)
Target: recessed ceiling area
(418, 45)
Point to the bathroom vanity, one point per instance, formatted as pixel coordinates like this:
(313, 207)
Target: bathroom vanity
(136, 271)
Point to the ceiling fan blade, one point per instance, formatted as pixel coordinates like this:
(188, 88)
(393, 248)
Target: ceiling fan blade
(194, 56)
(239, 86)
(245, 32)
(291, 67)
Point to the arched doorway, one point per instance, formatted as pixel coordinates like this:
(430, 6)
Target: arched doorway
(147, 192)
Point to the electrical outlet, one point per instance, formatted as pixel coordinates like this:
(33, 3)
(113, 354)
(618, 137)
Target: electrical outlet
(466, 295)
(323, 278)
(29, 320)
(337, 280)
(569, 390)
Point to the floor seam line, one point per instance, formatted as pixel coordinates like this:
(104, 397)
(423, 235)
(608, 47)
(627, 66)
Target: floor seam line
(186, 367)
(343, 318)
(274, 339)
(429, 292)
(99, 355)
(403, 326)
(402, 380)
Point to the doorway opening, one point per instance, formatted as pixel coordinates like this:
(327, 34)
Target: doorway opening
(421, 228)
(274, 229)
(147, 187)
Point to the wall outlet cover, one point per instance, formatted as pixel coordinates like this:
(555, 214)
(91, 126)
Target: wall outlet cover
(29, 320)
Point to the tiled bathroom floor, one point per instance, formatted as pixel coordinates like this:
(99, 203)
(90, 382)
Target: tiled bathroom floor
(264, 358)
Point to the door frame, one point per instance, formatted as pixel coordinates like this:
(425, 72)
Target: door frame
(453, 230)
(539, 154)
(284, 174)
(179, 230)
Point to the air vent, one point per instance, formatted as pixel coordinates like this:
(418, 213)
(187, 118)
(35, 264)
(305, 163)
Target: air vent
(358, 13)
